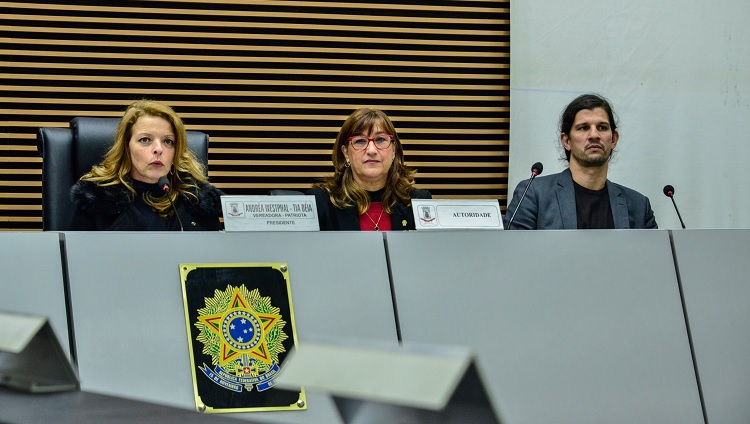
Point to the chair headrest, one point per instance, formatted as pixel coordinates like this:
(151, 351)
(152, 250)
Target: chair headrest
(93, 138)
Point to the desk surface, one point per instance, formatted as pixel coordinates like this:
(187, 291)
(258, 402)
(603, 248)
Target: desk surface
(32, 279)
(568, 326)
(714, 270)
(129, 318)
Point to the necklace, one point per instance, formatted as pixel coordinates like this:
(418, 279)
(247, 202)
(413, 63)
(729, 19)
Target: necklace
(377, 228)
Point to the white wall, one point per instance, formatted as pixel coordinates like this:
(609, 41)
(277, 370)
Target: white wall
(678, 76)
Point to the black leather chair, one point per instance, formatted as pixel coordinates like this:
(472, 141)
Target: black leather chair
(68, 153)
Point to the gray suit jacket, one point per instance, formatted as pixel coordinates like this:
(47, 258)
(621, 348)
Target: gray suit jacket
(550, 204)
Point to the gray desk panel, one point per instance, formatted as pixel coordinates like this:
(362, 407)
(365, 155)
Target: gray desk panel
(32, 279)
(715, 272)
(569, 326)
(129, 318)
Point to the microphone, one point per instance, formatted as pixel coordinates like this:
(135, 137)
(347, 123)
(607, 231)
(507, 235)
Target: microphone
(669, 192)
(165, 187)
(536, 169)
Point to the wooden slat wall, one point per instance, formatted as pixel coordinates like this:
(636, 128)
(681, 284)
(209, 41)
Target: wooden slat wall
(270, 81)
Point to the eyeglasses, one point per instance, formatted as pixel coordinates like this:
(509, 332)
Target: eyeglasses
(360, 142)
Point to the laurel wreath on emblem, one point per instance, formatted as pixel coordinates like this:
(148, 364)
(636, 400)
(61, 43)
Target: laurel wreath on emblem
(242, 332)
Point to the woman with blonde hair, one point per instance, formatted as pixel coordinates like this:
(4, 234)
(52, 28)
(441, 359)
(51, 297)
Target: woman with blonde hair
(371, 187)
(121, 193)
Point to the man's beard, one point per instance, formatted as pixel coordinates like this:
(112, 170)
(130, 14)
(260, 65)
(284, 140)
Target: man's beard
(594, 161)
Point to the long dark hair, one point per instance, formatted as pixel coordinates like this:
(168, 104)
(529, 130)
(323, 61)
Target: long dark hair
(585, 102)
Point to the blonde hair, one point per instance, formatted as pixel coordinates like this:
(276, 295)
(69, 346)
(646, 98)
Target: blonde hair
(343, 189)
(116, 166)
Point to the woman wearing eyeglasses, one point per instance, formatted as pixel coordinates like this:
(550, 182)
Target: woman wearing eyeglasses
(371, 187)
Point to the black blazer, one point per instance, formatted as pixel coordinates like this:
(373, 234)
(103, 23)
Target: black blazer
(332, 218)
(109, 209)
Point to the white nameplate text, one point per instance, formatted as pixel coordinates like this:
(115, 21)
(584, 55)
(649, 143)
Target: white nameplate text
(434, 214)
(270, 213)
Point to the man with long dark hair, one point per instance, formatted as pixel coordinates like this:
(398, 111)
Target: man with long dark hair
(581, 196)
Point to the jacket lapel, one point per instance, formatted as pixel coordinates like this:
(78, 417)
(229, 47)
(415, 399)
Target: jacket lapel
(348, 218)
(619, 206)
(566, 200)
(402, 218)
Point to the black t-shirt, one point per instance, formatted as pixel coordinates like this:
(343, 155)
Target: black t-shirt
(593, 209)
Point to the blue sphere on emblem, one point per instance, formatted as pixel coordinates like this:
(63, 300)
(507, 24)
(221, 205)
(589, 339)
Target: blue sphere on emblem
(241, 330)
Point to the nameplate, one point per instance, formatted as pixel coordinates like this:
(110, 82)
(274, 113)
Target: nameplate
(270, 213)
(433, 214)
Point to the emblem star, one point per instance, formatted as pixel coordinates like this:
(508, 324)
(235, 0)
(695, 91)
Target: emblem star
(253, 323)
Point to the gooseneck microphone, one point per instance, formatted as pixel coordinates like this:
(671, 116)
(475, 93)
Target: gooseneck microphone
(165, 187)
(669, 192)
(536, 169)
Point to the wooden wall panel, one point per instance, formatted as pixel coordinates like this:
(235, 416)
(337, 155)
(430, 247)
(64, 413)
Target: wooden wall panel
(270, 81)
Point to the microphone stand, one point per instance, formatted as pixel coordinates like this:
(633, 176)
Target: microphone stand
(523, 196)
(175, 212)
(678, 212)
(166, 188)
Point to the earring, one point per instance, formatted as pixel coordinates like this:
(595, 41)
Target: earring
(346, 165)
(171, 169)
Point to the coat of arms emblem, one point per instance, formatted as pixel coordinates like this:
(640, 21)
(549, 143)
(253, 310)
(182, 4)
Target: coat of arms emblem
(241, 326)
